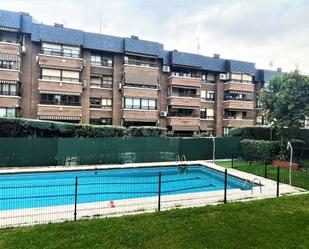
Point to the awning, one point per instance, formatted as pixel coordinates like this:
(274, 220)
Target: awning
(12, 82)
(60, 93)
(141, 76)
(185, 128)
(59, 117)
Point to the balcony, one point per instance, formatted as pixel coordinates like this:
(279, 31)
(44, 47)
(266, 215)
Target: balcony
(231, 122)
(140, 92)
(238, 105)
(184, 81)
(10, 75)
(60, 62)
(60, 86)
(186, 101)
(59, 112)
(239, 86)
(98, 114)
(9, 101)
(184, 123)
(10, 48)
(140, 115)
(141, 62)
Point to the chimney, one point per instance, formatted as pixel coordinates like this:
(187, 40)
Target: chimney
(58, 25)
(135, 37)
(217, 56)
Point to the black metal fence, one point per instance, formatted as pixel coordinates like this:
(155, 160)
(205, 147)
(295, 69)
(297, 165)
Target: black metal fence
(75, 198)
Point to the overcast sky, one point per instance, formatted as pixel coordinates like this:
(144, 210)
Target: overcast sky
(259, 31)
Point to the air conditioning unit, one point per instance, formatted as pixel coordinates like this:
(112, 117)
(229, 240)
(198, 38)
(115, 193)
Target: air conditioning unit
(163, 114)
(222, 76)
(166, 69)
(126, 60)
(120, 86)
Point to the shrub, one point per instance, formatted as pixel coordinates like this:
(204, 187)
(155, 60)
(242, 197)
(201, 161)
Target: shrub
(259, 149)
(146, 131)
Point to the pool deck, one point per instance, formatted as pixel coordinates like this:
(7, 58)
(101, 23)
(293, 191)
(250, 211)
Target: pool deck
(31, 216)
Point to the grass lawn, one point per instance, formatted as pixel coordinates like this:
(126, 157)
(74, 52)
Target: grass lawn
(274, 223)
(299, 178)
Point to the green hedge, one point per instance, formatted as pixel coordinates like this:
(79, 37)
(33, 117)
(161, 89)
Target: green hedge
(259, 149)
(265, 133)
(16, 127)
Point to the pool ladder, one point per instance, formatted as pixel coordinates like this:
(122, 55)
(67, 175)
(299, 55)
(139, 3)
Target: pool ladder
(252, 182)
(181, 162)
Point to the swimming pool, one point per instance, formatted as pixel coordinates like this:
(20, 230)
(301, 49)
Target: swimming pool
(35, 190)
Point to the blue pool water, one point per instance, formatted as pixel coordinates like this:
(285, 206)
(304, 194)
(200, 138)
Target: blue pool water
(58, 188)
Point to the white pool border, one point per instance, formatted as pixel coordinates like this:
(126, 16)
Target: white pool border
(31, 216)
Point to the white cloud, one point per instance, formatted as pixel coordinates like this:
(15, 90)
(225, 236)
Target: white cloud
(257, 31)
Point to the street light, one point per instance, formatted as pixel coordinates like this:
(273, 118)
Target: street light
(289, 147)
(213, 148)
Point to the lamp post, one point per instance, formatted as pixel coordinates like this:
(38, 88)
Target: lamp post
(213, 148)
(289, 147)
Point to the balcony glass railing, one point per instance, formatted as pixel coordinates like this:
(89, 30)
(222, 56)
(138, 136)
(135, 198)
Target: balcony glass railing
(68, 53)
(143, 63)
(53, 102)
(9, 39)
(189, 95)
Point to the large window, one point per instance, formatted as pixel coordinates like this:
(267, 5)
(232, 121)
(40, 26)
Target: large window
(10, 37)
(207, 113)
(9, 112)
(137, 103)
(238, 95)
(245, 78)
(104, 81)
(208, 77)
(60, 75)
(97, 102)
(101, 60)
(61, 50)
(207, 95)
(55, 99)
(9, 89)
(141, 61)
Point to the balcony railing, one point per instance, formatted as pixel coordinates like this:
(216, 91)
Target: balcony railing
(189, 95)
(234, 117)
(180, 115)
(101, 85)
(237, 99)
(207, 99)
(240, 81)
(144, 63)
(72, 53)
(53, 102)
(207, 117)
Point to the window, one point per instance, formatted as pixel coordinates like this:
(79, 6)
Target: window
(8, 112)
(144, 104)
(9, 89)
(141, 61)
(106, 103)
(241, 77)
(60, 75)
(95, 102)
(208, 77)
(71, 76)
(207, 95)
(10, 37)
(226, 131)
(104, 81)
(101, 60)
(7, 64)
(56, 99)
(258, 103)
(238, 95)
(207, 113)
(60, 50)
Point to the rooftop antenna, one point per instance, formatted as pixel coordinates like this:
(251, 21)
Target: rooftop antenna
(198, 44)
(271, 64)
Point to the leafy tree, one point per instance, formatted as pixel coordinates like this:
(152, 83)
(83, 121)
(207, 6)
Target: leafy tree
(285, 102)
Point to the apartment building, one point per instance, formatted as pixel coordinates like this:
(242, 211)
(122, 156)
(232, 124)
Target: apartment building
(61, 74)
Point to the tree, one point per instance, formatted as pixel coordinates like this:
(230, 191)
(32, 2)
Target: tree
(285, 103)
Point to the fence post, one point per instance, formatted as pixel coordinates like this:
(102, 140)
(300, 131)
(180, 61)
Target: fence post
(278, 180)
(232, 161)
(265, 170)
(250, 161)
(75, 198)
(225, 184)
(159, 192)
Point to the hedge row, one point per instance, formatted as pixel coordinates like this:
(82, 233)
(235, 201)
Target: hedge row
(11, 127)
(265, 133)
(259, 149)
